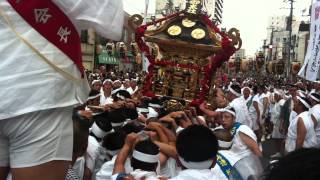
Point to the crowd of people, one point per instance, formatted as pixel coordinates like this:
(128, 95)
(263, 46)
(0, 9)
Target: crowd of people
(121, 134)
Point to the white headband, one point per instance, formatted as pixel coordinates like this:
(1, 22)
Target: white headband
(117, 124)
(145, 157)
(226, 110)
(93, 97)
(314, 98)
(107, 80)
(224, 144)
(303, 102)
(112, 153)
(196, 165)
(154, 105)
(301, 94)
(142, 110)
(233, 91)
(96, 130)
(121, 97)
(95, 81)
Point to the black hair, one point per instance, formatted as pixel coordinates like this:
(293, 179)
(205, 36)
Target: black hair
(83, 120)
(302, 164)
(114, 141)
(93, 93)
(236, 88)
(117, 116)
(103, 123)
(316, 95)
(223, 135)
(123, 93)
(305, 108)
(147, 147)
(197, 143)
(130, 113)
(132, 128)
(255, 89)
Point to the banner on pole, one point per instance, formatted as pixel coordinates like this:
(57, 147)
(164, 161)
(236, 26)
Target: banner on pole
(310, 68)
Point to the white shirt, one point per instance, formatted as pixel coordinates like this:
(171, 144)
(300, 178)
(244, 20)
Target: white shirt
(105, 173)
(195, 174)
(310, 139)
(242, 113)
(253, 112)
(92, 153)
(28, 83)
(315, 110)
(78, 166)
(239, 147)
(105, 100)
(139, 174)
(275, 119)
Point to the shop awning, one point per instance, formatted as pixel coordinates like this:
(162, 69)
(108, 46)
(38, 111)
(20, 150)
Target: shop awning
(105, 58)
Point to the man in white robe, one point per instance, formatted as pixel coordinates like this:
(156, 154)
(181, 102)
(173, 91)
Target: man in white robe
(40, 85)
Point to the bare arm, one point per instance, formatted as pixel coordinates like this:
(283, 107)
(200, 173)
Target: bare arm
(167, 149)
(171, 136)
(124, 152)
(301, 133)
(251, 143)
(157, 127)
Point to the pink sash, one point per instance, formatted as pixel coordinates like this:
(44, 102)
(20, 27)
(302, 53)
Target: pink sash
(46, 18)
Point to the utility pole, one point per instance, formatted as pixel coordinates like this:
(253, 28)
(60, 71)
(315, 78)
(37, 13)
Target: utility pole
(271, 44)
(290, 38)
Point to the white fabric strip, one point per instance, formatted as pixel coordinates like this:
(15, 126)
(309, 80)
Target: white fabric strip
(121, 97)
(303, 102)
(93, 97)
(107, 80)
(233, 91)
(196, 165)
(314, 98)
(154, 105)
(224, 144)
(95, 81)
(116, 124)
(145, 157)
(143, 110)
(227, 110)
(98, 131)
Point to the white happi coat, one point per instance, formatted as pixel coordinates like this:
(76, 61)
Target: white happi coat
(238, 146)
(310, 139)
(106, 170)
(193, 174)
(29, 84)
(242, 114)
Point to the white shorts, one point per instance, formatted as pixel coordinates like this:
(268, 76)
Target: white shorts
(36, 138)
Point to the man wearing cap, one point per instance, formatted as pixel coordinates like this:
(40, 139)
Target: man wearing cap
(301, 131)
(239, 104)
(41, 68)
